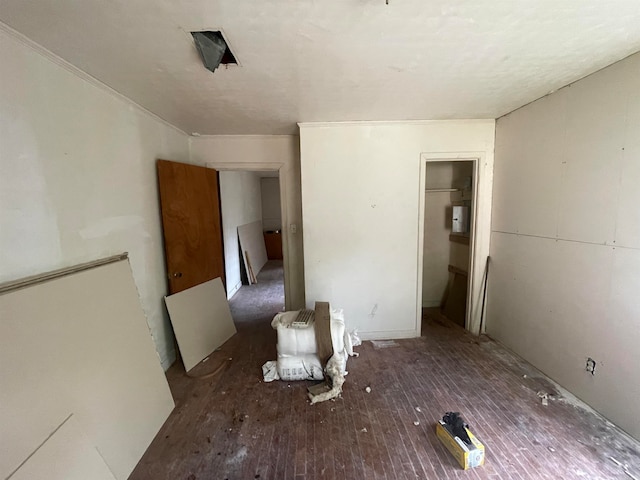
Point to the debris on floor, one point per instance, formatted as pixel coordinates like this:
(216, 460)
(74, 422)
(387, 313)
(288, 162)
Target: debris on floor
(544, 398)
(625, 468)
(332, 386)
(270, 371)
(330, 333)
(351, 339)
(455, 435)
(377, 344)
(368, 389)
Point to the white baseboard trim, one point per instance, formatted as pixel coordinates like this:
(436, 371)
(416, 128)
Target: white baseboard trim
(388, 335)
(233, 291)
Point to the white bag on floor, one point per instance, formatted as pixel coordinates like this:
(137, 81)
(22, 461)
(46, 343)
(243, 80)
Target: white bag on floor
(299, 367)
(297, 341)
(294, 340)
(297, 357)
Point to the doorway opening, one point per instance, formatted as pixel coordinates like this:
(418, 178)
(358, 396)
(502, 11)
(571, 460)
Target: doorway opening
(251, 214)
(452, 248)
(447, 235)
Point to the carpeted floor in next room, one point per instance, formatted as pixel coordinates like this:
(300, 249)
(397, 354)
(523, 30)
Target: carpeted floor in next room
(234, 426)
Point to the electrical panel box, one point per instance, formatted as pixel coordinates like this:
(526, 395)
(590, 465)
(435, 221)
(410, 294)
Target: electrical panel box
(460, 219)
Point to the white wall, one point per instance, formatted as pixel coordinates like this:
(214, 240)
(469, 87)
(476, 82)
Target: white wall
(437, 248)
(565, 250)
(437, 227)
(241, 203)
(256, 152)
(78, 177)
(363, 208)
(271, 211)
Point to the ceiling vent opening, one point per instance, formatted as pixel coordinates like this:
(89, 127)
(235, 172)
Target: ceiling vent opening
(213, 49)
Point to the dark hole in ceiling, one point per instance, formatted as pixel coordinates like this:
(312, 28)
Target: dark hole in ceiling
(213, 49)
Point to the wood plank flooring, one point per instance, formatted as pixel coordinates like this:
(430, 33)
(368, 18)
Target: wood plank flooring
(234, 426)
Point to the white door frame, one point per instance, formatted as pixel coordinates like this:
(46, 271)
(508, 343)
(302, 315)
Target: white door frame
(480, 232)
(268, 167)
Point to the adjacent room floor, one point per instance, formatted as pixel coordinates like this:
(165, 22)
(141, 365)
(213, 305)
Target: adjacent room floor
(234, 426)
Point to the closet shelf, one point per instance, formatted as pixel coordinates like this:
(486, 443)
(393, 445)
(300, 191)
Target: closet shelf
(443, 190)
(459, 238)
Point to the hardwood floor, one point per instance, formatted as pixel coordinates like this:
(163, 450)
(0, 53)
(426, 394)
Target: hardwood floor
(234, 426)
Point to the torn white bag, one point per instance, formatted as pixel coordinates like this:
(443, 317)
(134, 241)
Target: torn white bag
(299, 367)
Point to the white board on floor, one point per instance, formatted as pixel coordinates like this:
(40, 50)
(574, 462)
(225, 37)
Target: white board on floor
(201, 320)
(80, 344)
(65, 455)
(251, 239)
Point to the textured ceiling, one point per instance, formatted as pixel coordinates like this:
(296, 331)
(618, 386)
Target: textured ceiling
(332, 60)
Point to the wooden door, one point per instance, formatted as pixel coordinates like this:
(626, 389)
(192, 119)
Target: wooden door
(190, 206)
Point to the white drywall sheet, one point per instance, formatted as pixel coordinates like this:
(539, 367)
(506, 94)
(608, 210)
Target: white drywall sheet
(437, 248)
(252, 242)
(565, 246)
(66, 455)
(201, 320)
(80, 344)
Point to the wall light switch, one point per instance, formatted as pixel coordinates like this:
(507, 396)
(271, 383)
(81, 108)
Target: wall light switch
(293, 228)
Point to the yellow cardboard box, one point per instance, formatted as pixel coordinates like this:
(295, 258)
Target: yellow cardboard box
(467, 456)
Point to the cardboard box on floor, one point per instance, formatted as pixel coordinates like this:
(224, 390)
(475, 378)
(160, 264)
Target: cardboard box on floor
(467, 456)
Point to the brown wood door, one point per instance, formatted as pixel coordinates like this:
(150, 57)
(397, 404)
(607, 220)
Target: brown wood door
(190, 206)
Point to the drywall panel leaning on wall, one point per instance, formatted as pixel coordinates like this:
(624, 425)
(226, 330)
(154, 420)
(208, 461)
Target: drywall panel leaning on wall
(253, 248)
(201, 320)
(80, 344)
(66, 455)
(81, 204)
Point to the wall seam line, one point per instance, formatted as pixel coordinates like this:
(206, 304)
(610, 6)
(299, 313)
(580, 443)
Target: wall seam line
(564, 240)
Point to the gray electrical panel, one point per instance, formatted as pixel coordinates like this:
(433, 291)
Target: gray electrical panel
(460, 219)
